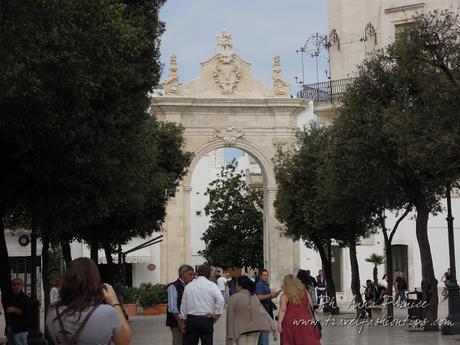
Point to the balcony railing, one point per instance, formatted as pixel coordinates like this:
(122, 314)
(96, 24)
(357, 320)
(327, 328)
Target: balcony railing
(326, 91)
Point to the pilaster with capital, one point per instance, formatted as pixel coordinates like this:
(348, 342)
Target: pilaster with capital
(282, 254)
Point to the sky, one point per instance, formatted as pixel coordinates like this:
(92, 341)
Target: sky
(260, 29)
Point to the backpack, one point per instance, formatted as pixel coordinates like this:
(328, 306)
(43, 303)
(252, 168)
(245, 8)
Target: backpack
(74, 338)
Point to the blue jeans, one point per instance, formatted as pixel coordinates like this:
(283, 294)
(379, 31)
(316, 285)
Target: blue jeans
(20, 338)
(401, 296)
(16, 339)
(263, 338)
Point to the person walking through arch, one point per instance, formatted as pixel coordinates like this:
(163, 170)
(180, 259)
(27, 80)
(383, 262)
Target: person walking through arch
(246, 316)
(89, 312)
(202, 305)
(175, 292)
(296, 316)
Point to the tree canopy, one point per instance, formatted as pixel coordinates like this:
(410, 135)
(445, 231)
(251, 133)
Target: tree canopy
(402, 116)
(234, 238)
(81, 156)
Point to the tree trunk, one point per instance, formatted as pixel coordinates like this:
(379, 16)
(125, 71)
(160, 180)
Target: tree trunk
(5, 269)
(389, 291)
(94, 248)
(389, 257)
(45, 263)
(375, 274)
(330, 285)
(108, 256)
(66, 252)
(429, 282)
(355, 283)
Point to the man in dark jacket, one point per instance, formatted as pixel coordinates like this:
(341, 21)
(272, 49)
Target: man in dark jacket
(18, 315)
(175, 292)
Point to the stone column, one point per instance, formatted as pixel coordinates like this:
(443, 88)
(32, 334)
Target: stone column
(283, 253)
(186, 229)
(173, 245)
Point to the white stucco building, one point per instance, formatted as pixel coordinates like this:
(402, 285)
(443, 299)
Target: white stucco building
(206, 171)
(356, 29)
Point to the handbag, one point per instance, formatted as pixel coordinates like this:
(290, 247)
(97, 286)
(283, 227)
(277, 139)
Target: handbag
(317, 324)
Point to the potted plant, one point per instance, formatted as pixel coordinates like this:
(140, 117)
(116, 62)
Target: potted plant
(131, 301)
(162, 298)
(152, 298)
(148, 299)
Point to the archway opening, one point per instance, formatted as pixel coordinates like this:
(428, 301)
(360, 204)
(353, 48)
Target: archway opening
(212, 166)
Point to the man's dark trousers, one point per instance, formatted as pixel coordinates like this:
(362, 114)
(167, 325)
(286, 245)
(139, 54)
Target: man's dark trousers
(198, 328)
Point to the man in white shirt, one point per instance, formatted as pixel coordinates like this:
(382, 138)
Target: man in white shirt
(221, 283)
(202, 305)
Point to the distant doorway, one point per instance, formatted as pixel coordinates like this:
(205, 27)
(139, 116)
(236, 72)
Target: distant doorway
(400, 259)
(336, 262)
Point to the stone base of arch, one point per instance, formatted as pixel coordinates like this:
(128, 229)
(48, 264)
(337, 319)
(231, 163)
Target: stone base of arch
(256, 126)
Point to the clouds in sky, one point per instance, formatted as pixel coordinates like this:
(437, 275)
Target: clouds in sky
(260, 29)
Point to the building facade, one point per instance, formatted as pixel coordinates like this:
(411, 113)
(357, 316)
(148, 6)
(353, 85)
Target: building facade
(356, 29)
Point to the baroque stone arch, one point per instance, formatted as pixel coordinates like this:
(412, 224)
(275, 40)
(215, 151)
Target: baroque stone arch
(251, 148)
(226, 107)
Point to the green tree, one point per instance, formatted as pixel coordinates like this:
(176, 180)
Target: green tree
(406, 103)
(75, 77)
(376, 260)
(234, 238)
(160, 165)
(300, 198)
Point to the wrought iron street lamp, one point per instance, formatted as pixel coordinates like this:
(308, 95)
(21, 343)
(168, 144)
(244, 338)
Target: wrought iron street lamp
(453, 327)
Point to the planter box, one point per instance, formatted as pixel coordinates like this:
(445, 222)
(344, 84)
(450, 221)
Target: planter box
(156, 310)
(163, 308)
(131, 309)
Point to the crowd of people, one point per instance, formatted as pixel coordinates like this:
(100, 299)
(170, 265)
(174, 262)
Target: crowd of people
(85, 311)
(197, 300)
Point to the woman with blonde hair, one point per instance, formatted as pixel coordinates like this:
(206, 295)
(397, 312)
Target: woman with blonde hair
(295, 319)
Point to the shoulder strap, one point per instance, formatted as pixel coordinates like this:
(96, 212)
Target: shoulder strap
(61, 324)
(83, 324)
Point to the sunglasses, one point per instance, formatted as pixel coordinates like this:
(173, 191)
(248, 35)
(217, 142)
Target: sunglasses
(15, 284)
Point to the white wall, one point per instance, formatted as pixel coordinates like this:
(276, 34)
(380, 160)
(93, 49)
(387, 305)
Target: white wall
(206, 171)
(350, 17)
(306, 116)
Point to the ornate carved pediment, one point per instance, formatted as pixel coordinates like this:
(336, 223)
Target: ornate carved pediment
(227, 72)
(229, 135)
(171, 85)
(226, 75)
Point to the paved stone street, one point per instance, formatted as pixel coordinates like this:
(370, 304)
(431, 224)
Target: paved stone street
(150, 330)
